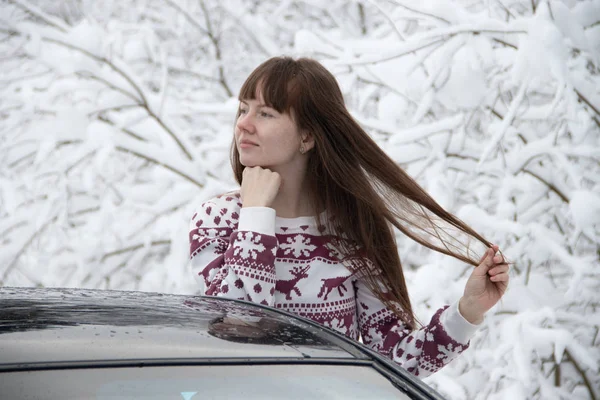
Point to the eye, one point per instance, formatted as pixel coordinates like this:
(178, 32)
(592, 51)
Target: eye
(265, 114)
(242, 111)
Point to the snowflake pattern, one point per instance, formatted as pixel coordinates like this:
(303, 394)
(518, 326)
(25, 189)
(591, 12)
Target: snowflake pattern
(449, 352)
(207, 232)
(334, 251)
(244, 265)
(248, 245)
(299, 245)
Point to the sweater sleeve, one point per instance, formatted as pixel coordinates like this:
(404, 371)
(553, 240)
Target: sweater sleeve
(233, 250)
(421, 352)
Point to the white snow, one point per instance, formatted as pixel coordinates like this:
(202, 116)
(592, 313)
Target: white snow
(116, 126)
(585, 208)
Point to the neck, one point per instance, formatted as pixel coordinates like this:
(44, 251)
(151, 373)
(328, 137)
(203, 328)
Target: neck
(293, 200)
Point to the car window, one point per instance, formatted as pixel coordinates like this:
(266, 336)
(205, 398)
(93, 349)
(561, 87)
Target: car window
(248, 382)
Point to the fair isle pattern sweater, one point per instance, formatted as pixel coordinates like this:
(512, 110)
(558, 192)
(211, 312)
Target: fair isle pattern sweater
(288, 263)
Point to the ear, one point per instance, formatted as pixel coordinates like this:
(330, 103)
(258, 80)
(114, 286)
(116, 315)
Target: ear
(307, 139)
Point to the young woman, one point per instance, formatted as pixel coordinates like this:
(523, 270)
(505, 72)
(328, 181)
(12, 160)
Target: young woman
(312, 229)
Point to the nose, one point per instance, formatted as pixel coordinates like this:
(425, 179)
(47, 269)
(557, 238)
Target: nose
(245, 123)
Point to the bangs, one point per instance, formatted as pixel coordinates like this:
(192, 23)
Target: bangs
(276, 80)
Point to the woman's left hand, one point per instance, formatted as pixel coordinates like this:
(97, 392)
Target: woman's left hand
(485, 286)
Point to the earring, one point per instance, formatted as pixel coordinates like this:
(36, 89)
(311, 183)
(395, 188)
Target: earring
(302, 149)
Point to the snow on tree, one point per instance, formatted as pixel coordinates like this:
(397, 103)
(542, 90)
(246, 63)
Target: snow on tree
(116, 121)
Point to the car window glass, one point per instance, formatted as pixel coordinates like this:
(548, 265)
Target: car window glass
(248, 382)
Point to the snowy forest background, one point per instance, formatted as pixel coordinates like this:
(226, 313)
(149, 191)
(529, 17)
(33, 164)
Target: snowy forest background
(116, 119)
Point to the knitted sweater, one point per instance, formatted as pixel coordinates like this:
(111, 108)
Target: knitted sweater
(288, 263)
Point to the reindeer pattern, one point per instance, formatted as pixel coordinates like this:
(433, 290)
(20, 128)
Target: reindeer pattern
(287, 286)
(331, 284)
(298, 268)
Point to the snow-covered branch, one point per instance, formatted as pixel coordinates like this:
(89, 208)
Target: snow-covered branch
(116, 122)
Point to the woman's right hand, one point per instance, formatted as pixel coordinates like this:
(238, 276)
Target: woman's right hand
(259, 187)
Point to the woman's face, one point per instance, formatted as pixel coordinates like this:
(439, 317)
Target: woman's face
(265, 137)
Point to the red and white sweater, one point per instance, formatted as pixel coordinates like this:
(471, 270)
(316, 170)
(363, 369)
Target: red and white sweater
(288, 263)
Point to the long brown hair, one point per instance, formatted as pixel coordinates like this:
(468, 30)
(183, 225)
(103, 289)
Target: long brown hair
(356, 182)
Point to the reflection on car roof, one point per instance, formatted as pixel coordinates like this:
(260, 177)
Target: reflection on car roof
(50, 325)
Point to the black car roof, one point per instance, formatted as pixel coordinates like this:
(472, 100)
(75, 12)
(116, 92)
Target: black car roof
(81, 328)
(50, 325)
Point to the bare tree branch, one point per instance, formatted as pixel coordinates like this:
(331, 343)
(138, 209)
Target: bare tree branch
(115, 108)
(81, 159)
(215, 40)
(248, 32)
(170, 168)
(12, 227)
(134, 248)
(385, 16)
(142, 98)
(411, 50)
(586, 101)
(124, 130)
(187, 16)
(401, 4)
(211, 35)
(84, 211)
(553, 188)
(505, 43)
(508, 13)
(37, 12)
(88, 75)
(362, 17)
(157, 216)
(582, 373)
(22, 250)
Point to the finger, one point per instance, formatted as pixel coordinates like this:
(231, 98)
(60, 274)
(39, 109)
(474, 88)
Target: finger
(503, 277)
(499, 269)
(277, 179)
(483, 268)
(246, 171)
(485, 255)
(499, 259)
(489, 251)
(489, 259)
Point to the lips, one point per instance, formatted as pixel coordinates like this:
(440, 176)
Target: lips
(247, 143)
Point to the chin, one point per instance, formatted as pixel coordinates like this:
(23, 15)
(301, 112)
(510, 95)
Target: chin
(253, 163)
(247, 163)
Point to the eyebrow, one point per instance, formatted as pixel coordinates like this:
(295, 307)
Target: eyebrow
(260, 105)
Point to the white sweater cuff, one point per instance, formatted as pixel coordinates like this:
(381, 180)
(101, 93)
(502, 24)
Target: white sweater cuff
(456, 326)
(257, 219)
